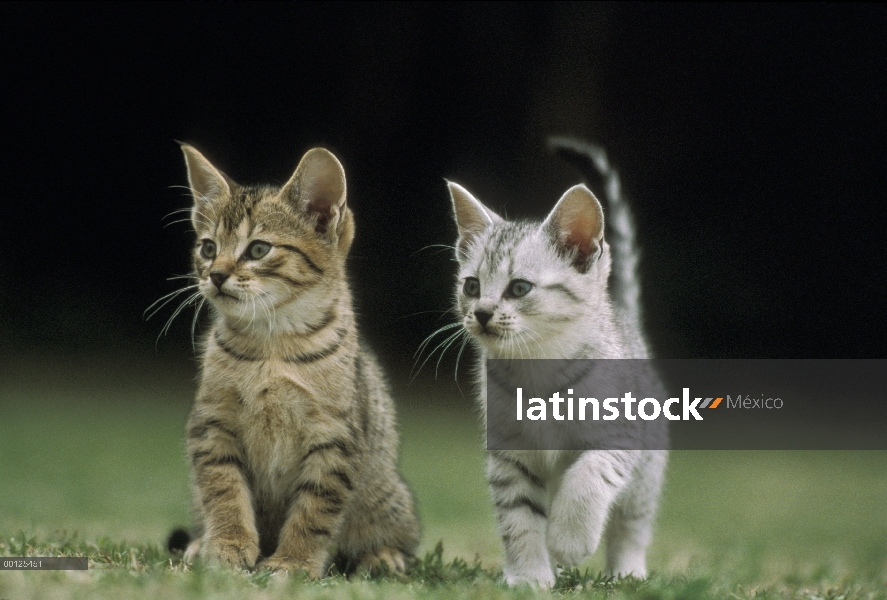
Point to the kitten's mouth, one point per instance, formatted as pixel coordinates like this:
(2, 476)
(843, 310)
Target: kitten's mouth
(220, 295)
(487, 332)
(483, 332)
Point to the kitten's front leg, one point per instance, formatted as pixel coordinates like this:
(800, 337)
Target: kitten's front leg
(520, 498)
(230, 536)
(579, 509)
(631, 520)
(307, 537)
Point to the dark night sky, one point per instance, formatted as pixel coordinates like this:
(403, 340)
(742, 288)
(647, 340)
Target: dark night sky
(750, 138)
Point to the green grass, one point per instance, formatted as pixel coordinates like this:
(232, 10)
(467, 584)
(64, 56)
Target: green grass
(92, 462)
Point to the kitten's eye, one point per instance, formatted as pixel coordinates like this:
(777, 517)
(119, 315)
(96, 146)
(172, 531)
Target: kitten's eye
(519, 287)
(471, 287)
(208, 249)
(257, 250)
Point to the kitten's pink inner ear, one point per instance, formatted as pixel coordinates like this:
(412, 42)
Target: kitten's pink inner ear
(205, 180)
(318, 187)
(577, 221)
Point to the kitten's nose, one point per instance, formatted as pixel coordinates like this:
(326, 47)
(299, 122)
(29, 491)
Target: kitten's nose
(483, 317)
(218, 278)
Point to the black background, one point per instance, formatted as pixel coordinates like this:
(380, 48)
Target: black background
(751, 140)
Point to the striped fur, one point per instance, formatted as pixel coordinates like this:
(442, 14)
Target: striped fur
(540, 290)
(292, 436)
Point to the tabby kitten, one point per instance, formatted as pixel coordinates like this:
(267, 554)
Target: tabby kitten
(540, 290)
(292, 436)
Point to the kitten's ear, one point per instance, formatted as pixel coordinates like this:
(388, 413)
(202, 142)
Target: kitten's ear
(577, 226)
(318, 188)
(206, 181)
(472, 217)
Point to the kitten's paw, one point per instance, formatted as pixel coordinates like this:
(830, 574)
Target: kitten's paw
(541, 578)
(285, 565)
(384, 557)
(634, 565)
(192, 551)
(570, 545)
(230, 553)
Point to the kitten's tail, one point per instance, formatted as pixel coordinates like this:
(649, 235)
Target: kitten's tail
(619, 230)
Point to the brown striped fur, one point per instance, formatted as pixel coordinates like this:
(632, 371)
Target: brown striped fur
(292, 436)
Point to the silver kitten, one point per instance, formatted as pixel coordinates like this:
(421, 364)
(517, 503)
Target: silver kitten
(560, 289)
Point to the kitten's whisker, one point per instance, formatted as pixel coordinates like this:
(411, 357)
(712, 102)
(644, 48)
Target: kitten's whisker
(512, 345)
(326, 282)
(258, 307)
(267, 312)
(445, 314)
(523, 340)
(430, 337)
(171, 296)
(531, 331)
(257, 303)
(513, 340)
(182, 277)
(194, 193)
(449, 338)
(444, 351)
(448, 311)
(187, 302)
(430, 354)
(444, 246)
(425, 312)
(465, 339)
(172, 293)
(506, 348)
(183, 221)
(534, 338)
(241, 311)
(193, 211)
(207, 224)
(194, 322)
(447, 246)
(273, 309)
(176, 212)
(257, 299)
(273, 312)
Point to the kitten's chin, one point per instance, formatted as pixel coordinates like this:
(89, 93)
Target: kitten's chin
(233, 307)
(501, 345)
(227, 304)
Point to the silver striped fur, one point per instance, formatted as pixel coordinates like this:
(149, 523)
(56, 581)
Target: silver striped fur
(555, 507)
